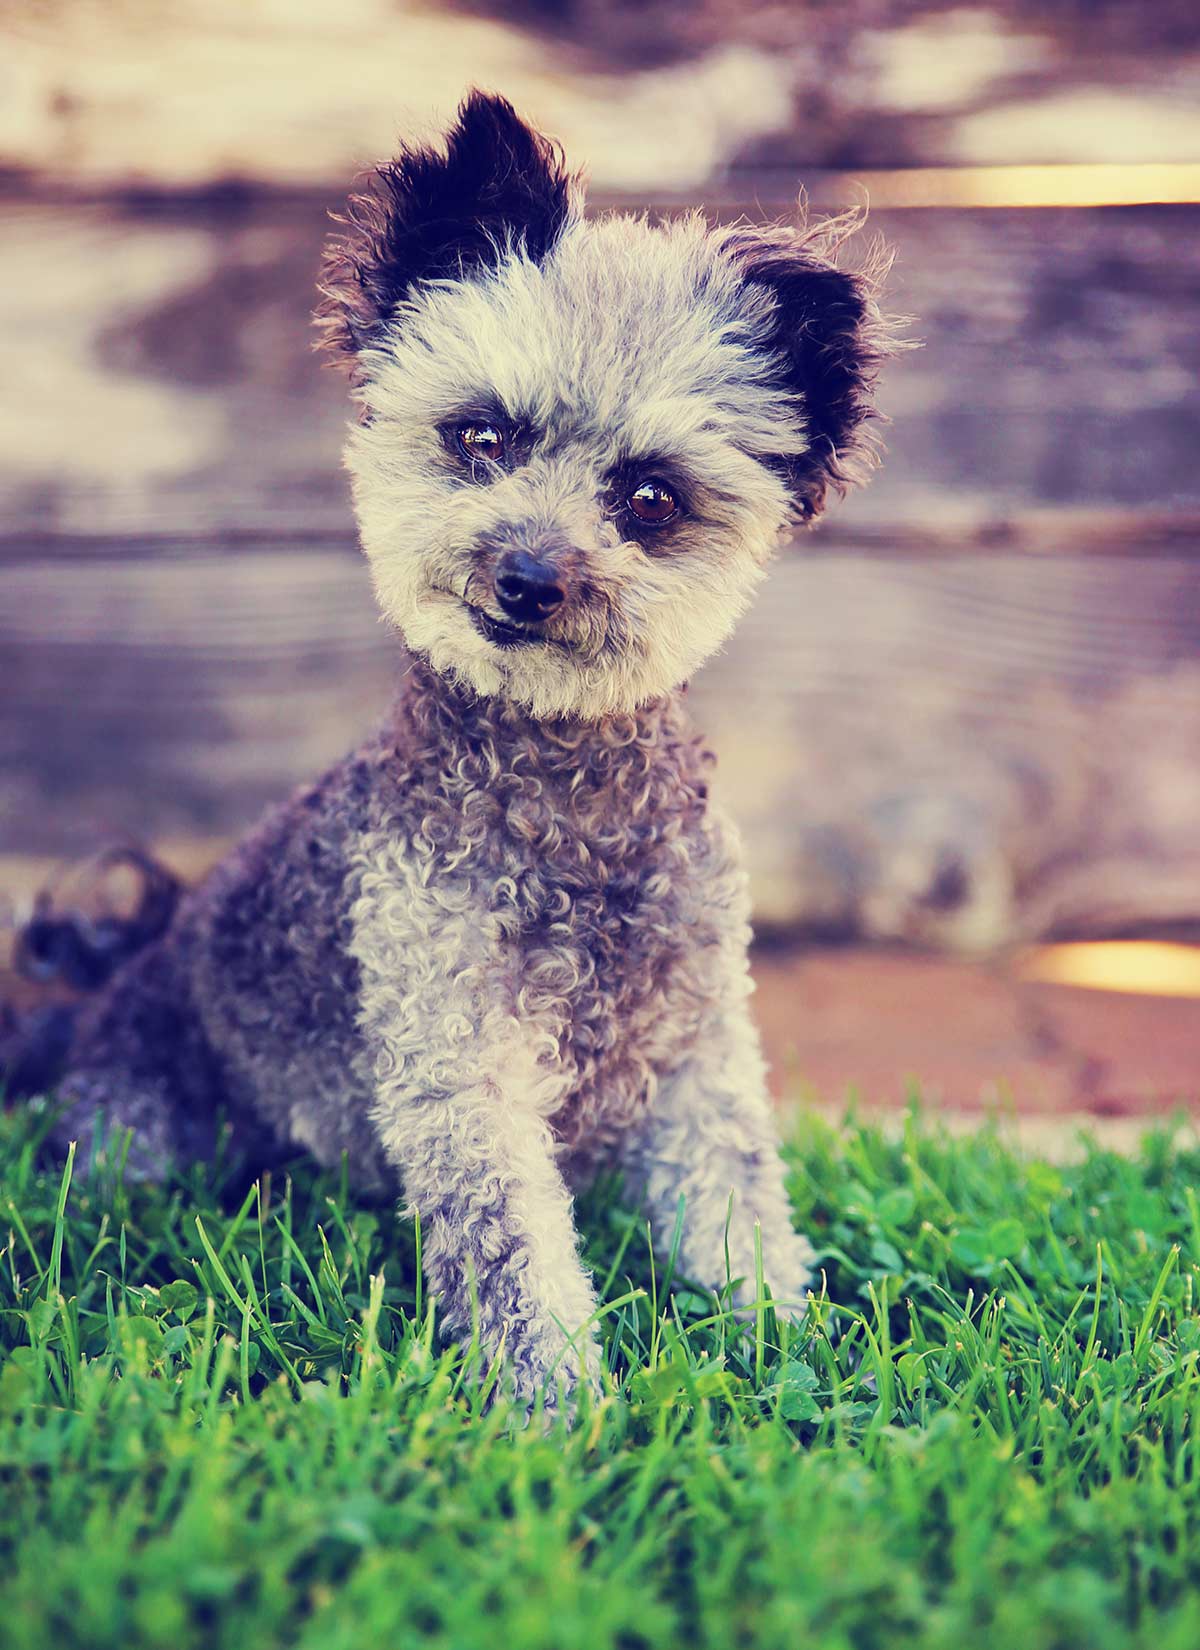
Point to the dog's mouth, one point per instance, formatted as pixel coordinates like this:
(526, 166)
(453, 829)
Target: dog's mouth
(503, 634)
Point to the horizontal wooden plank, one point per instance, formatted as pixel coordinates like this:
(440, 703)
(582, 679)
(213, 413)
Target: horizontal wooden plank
(161, 361)
(951, 751)
(773, 189)
(823, 621)
(642, 95)
(957, 533)
(1113, 183)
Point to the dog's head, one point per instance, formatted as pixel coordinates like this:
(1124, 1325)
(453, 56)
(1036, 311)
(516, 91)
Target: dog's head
(579, 442)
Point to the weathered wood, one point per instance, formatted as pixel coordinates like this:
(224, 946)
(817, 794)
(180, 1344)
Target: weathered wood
(192, 95)
(181, 94)
(952, 752)
(160, 359)
(966, 755)
(964, 746)
(956, 534)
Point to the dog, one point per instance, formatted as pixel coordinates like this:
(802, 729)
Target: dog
(504, 943)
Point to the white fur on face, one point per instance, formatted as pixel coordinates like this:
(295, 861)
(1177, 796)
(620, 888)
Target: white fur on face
(629, 342)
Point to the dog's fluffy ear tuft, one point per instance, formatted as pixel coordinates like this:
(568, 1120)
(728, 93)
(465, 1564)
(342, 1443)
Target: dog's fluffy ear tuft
(429, 215)
(827, 339)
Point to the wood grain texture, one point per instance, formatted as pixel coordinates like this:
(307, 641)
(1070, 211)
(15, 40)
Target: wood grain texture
(159, 353)
(191, 94)
(953, 752)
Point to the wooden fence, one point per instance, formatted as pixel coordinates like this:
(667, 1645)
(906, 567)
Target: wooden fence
(967, 712)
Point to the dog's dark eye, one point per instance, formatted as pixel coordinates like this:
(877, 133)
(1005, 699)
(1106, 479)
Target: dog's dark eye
(481, 442)
(653, 503)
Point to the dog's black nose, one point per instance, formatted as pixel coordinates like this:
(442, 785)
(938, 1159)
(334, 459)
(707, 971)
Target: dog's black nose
(526, 588)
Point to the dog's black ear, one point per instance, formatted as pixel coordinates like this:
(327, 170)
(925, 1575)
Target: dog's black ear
(826, 339)
(428, 215)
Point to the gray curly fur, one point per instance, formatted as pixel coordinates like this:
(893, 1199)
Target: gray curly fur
(505, 942)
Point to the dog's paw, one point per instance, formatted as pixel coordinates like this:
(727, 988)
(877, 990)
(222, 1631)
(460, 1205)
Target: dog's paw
(551, 1377)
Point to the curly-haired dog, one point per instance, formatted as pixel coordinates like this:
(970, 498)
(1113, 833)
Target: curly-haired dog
(505, 941)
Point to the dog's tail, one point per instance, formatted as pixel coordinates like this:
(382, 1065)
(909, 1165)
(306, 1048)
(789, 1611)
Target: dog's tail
(76, 951)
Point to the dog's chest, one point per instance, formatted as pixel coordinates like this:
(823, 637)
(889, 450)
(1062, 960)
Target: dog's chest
(611, 931)
(605, 919)
(586, 899)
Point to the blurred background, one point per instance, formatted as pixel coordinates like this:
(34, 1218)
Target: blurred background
(961, 729)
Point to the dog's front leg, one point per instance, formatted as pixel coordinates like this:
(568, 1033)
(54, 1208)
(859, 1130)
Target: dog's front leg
(710, 1138)
(498, 1240)
(463, 1091)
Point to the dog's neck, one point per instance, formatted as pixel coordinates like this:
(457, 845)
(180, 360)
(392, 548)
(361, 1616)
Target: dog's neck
(629, 761)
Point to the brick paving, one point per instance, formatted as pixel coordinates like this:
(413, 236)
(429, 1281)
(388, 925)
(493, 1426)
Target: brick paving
(970, 1035)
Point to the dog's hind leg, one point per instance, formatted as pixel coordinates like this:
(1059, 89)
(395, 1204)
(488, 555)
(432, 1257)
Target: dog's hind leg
(141, 1080)
(131, 1118)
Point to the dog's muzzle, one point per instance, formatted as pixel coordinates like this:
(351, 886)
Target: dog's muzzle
(527, 587)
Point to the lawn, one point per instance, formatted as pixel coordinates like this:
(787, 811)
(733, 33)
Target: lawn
(226, 1420)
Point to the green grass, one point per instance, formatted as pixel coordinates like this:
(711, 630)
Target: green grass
(226, 1420)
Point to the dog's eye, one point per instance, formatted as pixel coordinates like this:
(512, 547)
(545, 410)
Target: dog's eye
(653, 503)
(481, 442)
